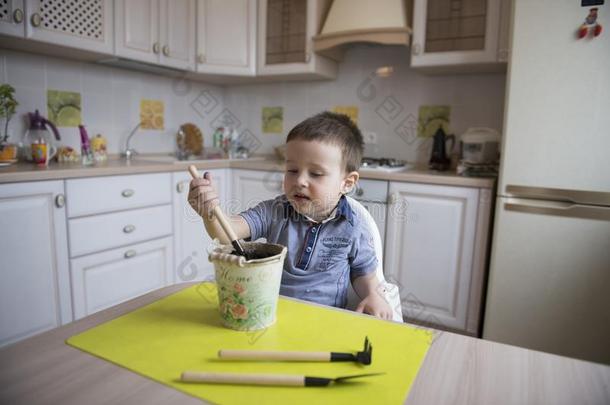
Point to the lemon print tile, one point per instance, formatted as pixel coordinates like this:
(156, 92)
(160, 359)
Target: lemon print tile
(64, 108)
(152, 114)
(350, 110)
(273, 120)
(431, 118)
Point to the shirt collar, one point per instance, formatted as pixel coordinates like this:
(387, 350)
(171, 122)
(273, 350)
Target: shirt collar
(342, 209)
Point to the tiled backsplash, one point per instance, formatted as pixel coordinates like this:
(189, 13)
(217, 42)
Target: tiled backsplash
(387, 106)
(110, 100)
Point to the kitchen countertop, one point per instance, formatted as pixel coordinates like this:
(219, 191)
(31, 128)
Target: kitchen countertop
(24, 171)
(457, 370)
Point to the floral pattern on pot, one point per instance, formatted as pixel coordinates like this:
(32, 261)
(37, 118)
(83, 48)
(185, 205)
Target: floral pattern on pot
(247, 296)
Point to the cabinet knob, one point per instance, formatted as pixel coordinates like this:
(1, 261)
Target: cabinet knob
(127, 193)
(18, 15)
(201, 58)
(129, 228)
(156, 47)
(180, 187)
(307, 57)
(60, 200)
(129, 254)
(166, 50)
(416, 49)
(36, 20)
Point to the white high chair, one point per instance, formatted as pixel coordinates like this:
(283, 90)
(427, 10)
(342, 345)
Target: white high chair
(390, 291)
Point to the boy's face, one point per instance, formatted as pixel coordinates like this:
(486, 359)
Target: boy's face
(315, 177)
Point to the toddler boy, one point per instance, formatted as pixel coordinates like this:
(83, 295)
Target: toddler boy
(328, 243)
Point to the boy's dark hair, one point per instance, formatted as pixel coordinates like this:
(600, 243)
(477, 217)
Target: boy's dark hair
(335, 129)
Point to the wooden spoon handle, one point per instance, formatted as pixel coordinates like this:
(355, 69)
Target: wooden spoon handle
(226, 226)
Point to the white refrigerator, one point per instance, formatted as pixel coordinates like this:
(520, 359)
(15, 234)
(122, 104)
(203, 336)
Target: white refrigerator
(549, 280)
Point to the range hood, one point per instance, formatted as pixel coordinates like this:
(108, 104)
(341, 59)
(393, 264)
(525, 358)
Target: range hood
(355, 21)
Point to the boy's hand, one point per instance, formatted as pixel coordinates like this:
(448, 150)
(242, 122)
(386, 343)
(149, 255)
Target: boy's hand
(374, 304)
(203, 196)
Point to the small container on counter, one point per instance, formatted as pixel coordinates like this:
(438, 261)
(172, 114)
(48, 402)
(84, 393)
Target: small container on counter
(99, 149)
(85, 148)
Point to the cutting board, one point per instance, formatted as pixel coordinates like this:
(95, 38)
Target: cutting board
(183, 332)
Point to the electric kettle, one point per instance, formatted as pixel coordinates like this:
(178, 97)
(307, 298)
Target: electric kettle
(38, 133)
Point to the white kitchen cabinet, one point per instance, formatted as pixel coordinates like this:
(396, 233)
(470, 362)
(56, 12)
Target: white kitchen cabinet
(252, 186)
(110, 277)
(436, 246)
(284, 44)
(120, 238)
(83, 25)
(12, 18)
(156, 31)
(35, 279)
(226, 37)
(191, 241)
(467, 35)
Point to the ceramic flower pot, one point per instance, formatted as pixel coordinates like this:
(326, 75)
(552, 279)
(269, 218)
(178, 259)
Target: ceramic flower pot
(248, 291)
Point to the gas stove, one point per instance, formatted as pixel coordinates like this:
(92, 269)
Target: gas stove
(384, 164)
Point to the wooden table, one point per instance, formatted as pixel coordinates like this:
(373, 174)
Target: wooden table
(457, 370)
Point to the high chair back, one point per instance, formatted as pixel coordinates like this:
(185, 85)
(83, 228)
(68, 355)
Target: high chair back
(390, 291)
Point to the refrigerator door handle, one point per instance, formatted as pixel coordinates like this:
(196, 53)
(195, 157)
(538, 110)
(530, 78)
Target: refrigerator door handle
(557, 208)
(558, 194)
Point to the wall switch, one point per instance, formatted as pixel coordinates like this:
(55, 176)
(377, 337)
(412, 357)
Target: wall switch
(369, 138)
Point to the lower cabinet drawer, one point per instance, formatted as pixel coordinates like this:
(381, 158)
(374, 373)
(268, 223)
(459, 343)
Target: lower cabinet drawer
(106, 231)
(105, 279)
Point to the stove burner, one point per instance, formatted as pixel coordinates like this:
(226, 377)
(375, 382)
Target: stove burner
(371, 163)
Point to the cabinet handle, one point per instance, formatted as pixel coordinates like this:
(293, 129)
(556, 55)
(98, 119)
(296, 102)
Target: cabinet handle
(166, 50)
(394, 198)
(18, 15)
(36, 20)
(416, 49)
(156, 48)
(180, 187)
(127, 193)
(129, 254)
(129, 228)
(201, 58)
(60, 200)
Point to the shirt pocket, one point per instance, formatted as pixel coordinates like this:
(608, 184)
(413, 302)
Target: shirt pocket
(332, 260)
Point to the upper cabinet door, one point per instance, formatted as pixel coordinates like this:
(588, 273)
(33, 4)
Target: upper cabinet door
(77, 24)
(458, 33)
(137, 30)
(226, 37)
(12, 18)
(285, 29)
(177, 23)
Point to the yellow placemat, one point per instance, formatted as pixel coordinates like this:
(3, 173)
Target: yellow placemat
(183, 332)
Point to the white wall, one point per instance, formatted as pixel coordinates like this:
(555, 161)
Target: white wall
(110, 99)
(475, 100)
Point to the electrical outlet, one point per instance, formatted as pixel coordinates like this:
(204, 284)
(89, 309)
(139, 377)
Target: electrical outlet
(370, 138)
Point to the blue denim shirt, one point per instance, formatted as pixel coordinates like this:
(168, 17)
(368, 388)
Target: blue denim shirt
(322, 256)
